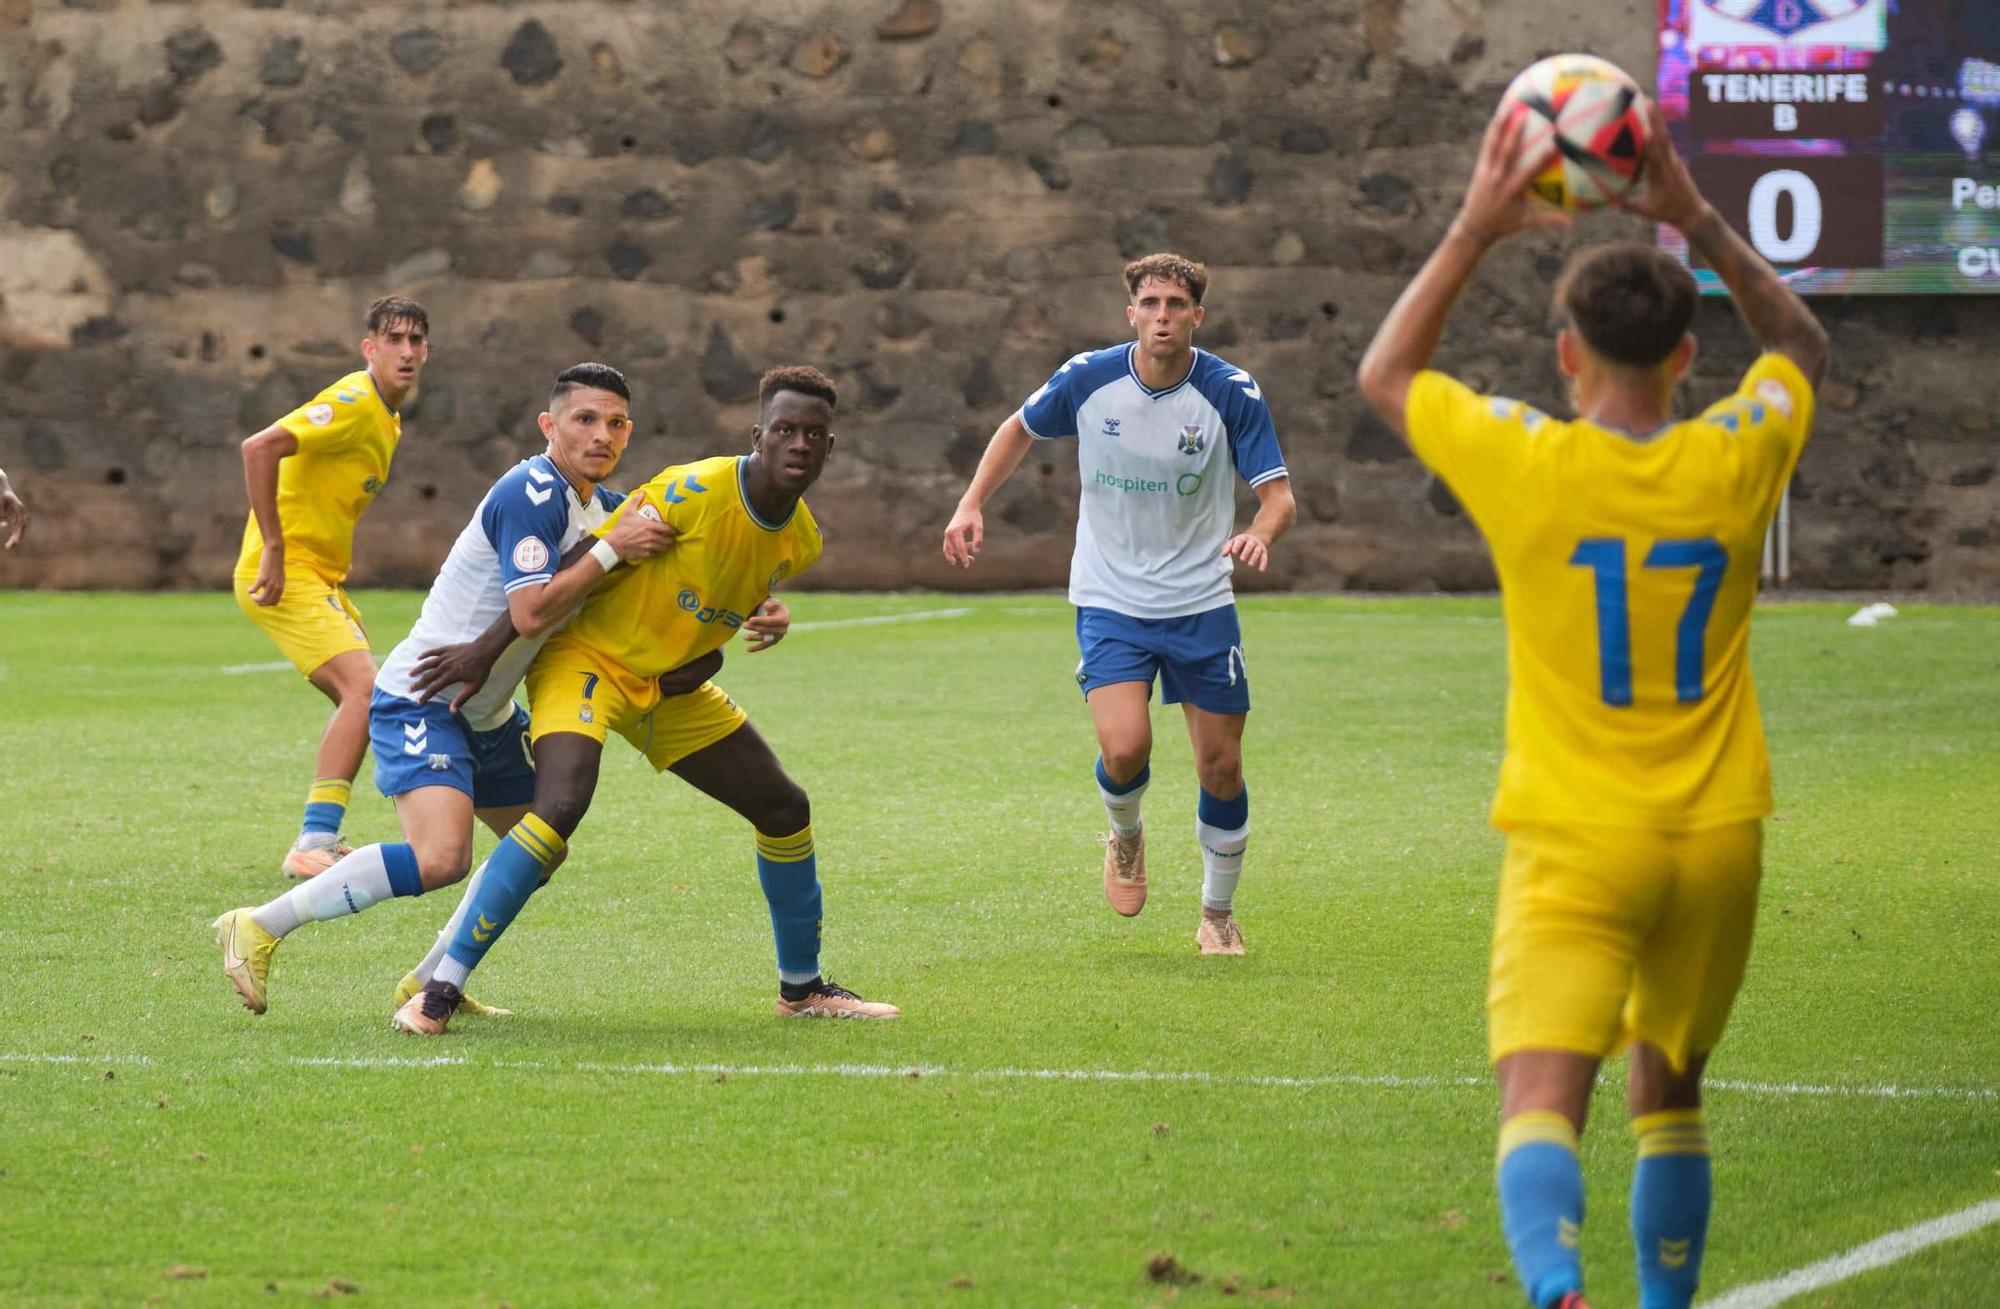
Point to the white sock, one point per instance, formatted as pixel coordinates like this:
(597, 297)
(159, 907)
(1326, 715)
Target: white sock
(348, 887)
(450, 970)
(1221, 863)
(428, 968)
(1124, 809)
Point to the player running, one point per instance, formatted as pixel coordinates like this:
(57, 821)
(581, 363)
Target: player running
(447, 761)
(1635, 779)
(741, 528)
(1159, 427)
(311, 475)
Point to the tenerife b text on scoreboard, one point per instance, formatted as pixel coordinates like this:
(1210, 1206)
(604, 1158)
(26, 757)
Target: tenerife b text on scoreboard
(1851, 141)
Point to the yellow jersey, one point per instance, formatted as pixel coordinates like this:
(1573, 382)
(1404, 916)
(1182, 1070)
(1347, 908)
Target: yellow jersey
(347, 437)
(657, 614)
(1628, 567)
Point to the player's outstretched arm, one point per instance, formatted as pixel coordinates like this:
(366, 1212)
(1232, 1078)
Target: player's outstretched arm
(768, 626)
(1276, 512)
(13, 514)
(967, 529)
(262, 454)
(1772, 311)
(1496, 205)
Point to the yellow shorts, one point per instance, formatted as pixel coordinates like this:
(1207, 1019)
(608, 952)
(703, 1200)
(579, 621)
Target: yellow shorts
(574, 689)
(312, 621)
(1605, 936)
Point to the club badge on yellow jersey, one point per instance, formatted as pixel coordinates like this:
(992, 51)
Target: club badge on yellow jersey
(660, 613)
(1628, 568)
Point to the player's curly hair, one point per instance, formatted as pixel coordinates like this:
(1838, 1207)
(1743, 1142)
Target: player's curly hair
(601, 377)
(1168, 268)
(397, 309)
(802, 378)
(1631, 303)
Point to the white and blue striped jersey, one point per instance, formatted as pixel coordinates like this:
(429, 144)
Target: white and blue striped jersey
(1158, 503)
(516, 538)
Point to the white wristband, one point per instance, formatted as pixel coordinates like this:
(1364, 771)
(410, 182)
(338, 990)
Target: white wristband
(604, 554)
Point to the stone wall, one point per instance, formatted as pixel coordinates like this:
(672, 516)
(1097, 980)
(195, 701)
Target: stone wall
(929, 197)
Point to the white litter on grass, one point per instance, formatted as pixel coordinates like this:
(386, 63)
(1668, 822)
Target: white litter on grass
(1871, 615)
(1861, 1259)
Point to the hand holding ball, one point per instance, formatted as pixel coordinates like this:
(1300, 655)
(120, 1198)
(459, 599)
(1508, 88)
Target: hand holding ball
(1589, 117)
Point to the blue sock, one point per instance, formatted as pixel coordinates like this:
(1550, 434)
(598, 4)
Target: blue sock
(789, 874)
(1541, 1203)
(513, 871)
(1671, 1192)
(400, 861)
(326, 805)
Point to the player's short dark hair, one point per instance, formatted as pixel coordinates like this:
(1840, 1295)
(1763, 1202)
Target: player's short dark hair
(397, 309)
(599, 377)
(802, 378)
(1631, 303)
(1168, 268)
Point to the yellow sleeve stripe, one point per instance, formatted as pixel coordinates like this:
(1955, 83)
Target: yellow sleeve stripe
(1536, 1126)
(786, 849)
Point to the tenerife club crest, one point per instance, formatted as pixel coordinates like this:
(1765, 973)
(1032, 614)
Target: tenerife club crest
(1857, 24)
(1192, 441)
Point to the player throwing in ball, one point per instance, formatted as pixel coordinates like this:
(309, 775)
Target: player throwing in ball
(1160, 426)
(741, 527)
(311, 475)
(1635, 779)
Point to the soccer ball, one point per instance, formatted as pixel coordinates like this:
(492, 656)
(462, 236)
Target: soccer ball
(1594, 115)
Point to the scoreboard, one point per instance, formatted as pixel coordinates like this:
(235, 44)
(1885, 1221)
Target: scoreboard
(1855, 143)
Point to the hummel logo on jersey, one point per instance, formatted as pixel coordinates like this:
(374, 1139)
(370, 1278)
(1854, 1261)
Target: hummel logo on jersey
(539, 496)
(540, 476)
(1192, 441)
(1111, 426)
(1248, 384)
(416, 738)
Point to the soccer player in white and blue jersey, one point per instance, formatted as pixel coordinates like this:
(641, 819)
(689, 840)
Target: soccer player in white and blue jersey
(465, 754)
(1160, 426)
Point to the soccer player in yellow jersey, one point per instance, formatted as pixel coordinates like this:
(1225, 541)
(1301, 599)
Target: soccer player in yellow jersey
(741, 527)
(1635, 778)
(311, 476)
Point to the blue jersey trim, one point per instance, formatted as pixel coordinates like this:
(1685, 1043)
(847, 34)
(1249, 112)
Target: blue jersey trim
(1132, 371)
(743, 493)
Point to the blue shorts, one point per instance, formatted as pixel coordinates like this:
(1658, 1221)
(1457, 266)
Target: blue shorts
(418, 745)
(1198, 658)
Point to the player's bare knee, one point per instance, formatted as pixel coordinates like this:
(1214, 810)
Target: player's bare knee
(1220, 772)
(1656, 1085)
(786, 810)
(1125, 760)
(440, 863)
(563, 809)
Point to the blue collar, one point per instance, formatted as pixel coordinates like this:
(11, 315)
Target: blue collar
(1132, 368)
(743, 494)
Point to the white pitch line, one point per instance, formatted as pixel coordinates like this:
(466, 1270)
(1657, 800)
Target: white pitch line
(1862, 1258)
(876, 620)
(272, 667)
(1195, 1076)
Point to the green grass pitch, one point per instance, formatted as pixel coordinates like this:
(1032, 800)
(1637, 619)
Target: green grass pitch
(1319, 1126)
